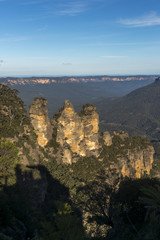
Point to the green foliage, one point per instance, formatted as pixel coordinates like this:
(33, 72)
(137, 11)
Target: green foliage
(86, 168)
(8, 158)
(13, 115)
(134, 217)
(67, 225)
(5, 212)
(151, 196)
(4, 237)
(136, 143)
(63, 208)
(53, 143)
(120, 147)
(86, 109)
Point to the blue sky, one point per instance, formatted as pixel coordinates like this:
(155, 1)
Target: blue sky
(72, 37)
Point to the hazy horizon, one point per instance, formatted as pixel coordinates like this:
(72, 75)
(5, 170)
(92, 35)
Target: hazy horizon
(87, 75)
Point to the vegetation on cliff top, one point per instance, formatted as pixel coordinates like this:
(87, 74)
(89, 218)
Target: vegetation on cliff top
(13, 115)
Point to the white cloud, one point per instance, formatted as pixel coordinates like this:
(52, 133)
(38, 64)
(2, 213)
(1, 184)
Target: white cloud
(69, 8)
(75, 7)
(72, 8)
(144, 21)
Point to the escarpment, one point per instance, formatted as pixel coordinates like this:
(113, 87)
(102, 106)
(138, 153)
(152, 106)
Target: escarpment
(134, 155)
(140, 162)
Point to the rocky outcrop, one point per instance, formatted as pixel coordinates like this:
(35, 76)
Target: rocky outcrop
(40, 121)
(90, 120)
(134, 155)
(107, 138)
(77, 136)
(127, 156)
(139, 163)
(70, 130)
(123, 135)
(77, 132)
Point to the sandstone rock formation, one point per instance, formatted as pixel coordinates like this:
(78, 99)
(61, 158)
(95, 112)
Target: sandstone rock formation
(78, 131)
(70, 129)
(40, 121)
(77, 135)
(137, 157)
(90, 119)
(107, 138)
(140, 163)
(123, 135)
(127, 156)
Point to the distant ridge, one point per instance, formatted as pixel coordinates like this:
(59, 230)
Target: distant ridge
(72, 79)
(79, 90)
(137, 112)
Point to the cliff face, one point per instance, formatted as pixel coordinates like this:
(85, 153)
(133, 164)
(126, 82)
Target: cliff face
(78, 132)
(40, 121)
(107, 138)
(133, 156)
(140, 163)
(70, 130)
(90, 120)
